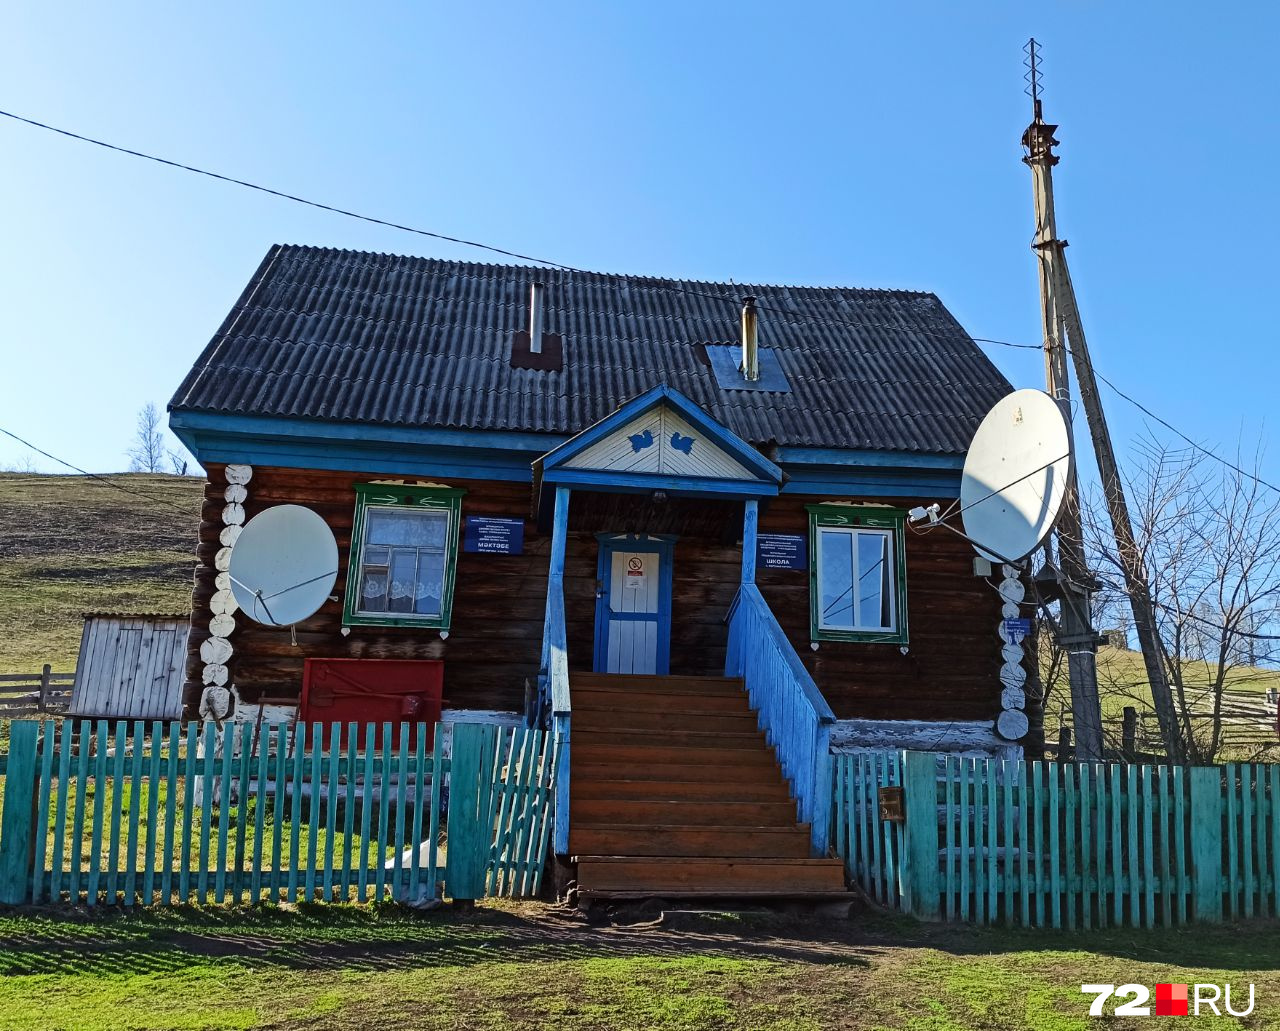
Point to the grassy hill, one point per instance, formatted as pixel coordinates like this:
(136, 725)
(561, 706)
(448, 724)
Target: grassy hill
(72, 544)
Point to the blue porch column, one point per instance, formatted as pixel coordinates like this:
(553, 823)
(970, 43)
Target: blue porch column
(556, 663)
(750, 517)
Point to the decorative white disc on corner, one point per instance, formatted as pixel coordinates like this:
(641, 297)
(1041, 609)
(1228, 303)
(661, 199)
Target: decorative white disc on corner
(239, 473)
(222, 582)
(1009, 610)
(222, 625)
(1013, 698)
(1012, 590)
(236, 493)
(215, 650)
(222, 560)
(1012, 724)
(228, 535)
(215, 674)
(1012, 675)
(233, 514)
(1012, 653)
(223, 601)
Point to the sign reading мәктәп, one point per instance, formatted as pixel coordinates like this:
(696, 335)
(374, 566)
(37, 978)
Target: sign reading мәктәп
(493, 535)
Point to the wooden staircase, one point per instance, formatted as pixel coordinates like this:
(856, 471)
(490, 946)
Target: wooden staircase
(674, 792)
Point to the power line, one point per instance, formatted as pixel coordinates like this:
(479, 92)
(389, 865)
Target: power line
(662, 285)
(96, 476)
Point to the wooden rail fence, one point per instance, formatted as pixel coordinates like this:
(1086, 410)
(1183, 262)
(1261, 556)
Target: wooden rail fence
(1074, 845)
(23, 695)
(140, 813)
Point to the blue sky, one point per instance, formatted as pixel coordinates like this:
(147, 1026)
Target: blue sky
(852, 144)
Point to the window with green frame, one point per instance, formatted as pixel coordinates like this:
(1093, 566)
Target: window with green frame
(857, 574)
(404, 556)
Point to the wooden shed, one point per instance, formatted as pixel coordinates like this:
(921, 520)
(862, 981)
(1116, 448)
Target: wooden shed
(131, 667)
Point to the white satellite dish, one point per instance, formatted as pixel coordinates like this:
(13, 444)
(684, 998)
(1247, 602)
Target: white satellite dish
(283, 565)
(1015, 476)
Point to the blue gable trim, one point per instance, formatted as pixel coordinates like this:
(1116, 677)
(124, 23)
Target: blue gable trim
(499, 455)
(319, 444)
(717, 433)
(789, 456)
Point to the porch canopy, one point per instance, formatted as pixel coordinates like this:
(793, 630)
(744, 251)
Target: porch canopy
(657, 444)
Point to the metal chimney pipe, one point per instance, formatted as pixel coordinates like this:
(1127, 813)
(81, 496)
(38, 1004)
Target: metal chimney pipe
(750, 340)
(535, 319)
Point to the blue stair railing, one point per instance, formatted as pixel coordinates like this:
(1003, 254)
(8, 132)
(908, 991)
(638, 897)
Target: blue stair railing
(793, 714)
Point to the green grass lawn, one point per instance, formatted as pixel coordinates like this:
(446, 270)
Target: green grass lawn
(527, 966)
(72, 544)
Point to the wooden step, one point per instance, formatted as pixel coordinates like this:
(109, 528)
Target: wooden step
(658, 684)
(710, 877)
(604, 768)
(608, 699)
(667, 720)
(663, 840)
(622, 757)
(608, 812)
(751, 740)
(664, 790)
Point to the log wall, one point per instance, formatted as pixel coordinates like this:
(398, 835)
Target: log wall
(493, 647)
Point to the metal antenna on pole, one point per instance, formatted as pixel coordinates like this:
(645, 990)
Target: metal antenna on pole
(1060, 315)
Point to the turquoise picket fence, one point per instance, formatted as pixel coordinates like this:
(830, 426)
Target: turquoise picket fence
(1071, 845)
(151, 814)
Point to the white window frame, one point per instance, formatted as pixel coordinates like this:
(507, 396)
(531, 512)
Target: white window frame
(890, 550)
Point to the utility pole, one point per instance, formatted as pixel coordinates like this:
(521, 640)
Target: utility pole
(1078, 636)
(1063, 327)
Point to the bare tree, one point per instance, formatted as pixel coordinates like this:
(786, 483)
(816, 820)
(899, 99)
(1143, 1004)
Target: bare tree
(148, 453)
(1210, 540)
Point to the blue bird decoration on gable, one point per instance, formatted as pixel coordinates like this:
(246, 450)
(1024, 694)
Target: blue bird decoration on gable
(640, 441)
(680, 443)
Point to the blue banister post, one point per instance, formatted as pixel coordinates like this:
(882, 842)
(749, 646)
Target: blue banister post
(750, 520)
(555, 650)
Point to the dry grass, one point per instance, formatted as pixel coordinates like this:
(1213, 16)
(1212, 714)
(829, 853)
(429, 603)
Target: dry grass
(71, 545)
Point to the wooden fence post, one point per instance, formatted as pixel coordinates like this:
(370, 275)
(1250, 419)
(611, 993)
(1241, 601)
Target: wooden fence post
(920, 800)
(1206, 843)
(45, 680)
(1129, 733)
(15, 828)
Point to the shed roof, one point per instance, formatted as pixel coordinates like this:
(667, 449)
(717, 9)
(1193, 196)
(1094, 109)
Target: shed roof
(420, 342)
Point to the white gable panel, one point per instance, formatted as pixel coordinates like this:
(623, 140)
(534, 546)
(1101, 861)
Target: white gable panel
(661, 442)
(633, 448)
(687, 452)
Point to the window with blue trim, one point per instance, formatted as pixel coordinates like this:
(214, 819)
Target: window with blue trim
(857, 581)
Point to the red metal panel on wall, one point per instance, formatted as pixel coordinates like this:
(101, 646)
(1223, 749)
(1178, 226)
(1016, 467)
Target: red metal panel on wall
(375, 691)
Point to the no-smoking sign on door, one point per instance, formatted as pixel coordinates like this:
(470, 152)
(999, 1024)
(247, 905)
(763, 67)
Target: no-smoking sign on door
(635, 573)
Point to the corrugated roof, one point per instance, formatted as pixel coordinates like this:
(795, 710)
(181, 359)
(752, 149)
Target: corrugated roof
(376, 338)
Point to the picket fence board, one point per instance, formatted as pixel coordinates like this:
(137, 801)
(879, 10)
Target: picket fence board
(1075, 845)
(142, 813)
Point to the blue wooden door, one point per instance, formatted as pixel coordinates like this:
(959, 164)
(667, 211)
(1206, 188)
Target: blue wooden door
(633, 605)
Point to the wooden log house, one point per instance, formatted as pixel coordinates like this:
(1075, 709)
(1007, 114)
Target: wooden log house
(608, 505)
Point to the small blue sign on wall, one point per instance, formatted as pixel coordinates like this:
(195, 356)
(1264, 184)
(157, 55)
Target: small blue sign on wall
(493, 535)
(781, 551)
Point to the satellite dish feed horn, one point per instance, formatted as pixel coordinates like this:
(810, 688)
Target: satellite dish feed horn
(1015, 476)
(283, 565)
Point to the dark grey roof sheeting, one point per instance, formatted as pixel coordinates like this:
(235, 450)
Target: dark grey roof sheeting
(376, 338)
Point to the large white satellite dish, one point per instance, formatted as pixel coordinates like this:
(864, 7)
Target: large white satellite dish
(283, 565)
(1015, 476)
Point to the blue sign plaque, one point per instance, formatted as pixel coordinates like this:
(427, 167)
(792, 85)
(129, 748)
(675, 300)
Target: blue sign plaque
(493, 535)
(781, 551)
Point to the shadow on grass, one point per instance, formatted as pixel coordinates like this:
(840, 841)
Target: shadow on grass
(375, 938)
